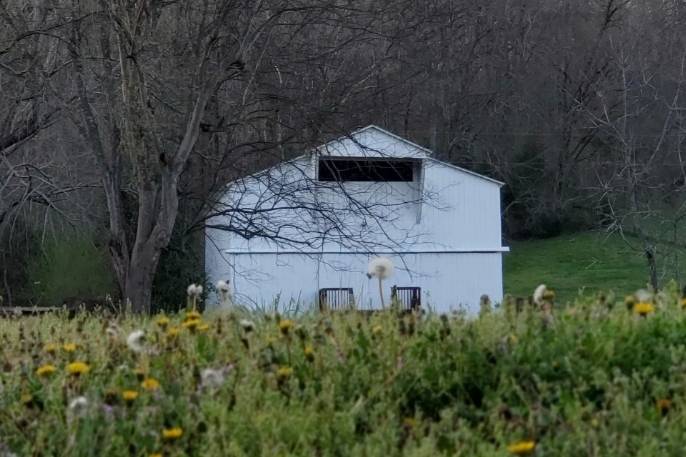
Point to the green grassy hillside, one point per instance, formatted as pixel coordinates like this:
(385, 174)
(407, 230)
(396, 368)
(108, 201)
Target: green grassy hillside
(596, 261)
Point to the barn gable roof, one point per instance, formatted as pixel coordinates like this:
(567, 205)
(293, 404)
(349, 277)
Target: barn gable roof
(355, 145)
(386, 144)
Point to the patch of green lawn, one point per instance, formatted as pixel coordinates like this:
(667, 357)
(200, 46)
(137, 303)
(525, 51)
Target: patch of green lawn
(595, 261)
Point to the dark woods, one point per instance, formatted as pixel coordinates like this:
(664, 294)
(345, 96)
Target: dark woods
(122, 119)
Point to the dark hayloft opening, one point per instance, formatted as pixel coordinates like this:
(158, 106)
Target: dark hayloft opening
(366, 170)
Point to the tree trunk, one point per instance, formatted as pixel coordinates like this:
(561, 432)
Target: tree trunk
(139, 279)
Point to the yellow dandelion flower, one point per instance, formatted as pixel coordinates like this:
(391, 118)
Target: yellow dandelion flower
(162, 321)
(46, 370)
(285, 326)
(309, 353)
(643, 308)
(69, 347)
(522, 447)
(150, 384)
(155, 454)
(193, 315)
(78, 368)
(129, 395)
(283, 373)
(683, 303)
(377, 329)
(50, 348)
(192, 324)
(173, 332)
(26, 399)
(173, 433)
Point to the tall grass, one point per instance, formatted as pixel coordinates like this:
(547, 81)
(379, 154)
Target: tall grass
(598, 380)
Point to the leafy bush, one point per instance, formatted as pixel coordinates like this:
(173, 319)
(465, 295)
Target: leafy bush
(70, 267)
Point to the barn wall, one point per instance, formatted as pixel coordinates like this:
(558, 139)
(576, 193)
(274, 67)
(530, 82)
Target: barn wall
(448, 281)
(461, 210)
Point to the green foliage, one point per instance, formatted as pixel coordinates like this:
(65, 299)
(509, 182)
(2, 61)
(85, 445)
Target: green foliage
(70, 267)
(587, 384)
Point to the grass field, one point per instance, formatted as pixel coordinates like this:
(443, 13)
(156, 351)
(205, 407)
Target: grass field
(596, 261)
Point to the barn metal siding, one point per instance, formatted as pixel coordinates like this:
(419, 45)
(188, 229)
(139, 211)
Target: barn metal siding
(449, 281)
(451, 240)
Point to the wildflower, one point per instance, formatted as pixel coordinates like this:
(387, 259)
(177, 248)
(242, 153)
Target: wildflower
(663, 405)
(377, 329)
(643, 295)
(194, 290)
(203, 327)
(247, 326)
(522, 447)
(78, 406)
(285, 326)
(192, 324)
(173, 433)
(629, 302)
(643, 308)
(283, 373)
(46, 370)
(213, 379)
(69, 347)
(683, 303)
(380, 268)
(150, 384)
(50, 348)
(136, 340)
(129, 395)
(78, 368)
(309, 353)
(162, 321)
(222, 286)
(173, 332)
(155, 454)
(192, 315)
(539, 294)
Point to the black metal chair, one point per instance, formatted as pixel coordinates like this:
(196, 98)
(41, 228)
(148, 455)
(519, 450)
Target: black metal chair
(406, 298)
(336, 299)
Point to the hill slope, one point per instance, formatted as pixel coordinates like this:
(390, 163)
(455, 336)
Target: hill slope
(594, 260)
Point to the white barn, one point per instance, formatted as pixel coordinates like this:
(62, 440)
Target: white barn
(439, 223)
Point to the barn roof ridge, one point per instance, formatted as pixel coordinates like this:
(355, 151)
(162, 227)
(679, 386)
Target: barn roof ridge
(428, 152)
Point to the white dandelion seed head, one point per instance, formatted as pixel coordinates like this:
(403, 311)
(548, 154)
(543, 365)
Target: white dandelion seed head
(247, 325)
(78, 406)
(539, 293)
(380, 267)
(211, 378)
(194, 290)
(136, 341)
(644, 295)
(222, 286)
